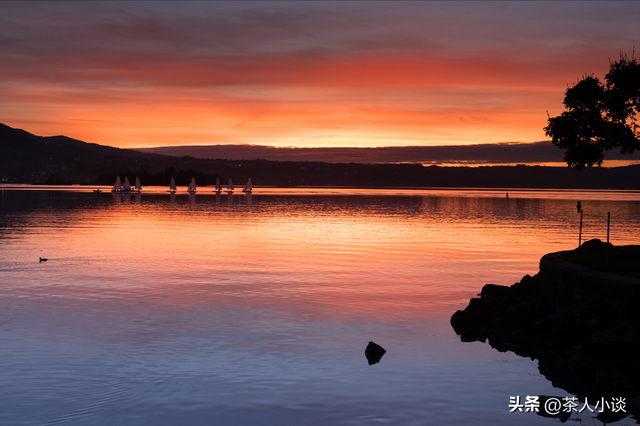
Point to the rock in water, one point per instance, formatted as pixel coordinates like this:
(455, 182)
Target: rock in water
(374, 353)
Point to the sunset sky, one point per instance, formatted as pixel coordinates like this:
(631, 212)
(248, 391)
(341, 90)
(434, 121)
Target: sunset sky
(301, 73)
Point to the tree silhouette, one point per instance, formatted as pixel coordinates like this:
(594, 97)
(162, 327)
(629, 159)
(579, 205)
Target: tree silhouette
(599, 117)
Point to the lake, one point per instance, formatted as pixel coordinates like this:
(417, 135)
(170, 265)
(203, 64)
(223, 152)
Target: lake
(159, 309)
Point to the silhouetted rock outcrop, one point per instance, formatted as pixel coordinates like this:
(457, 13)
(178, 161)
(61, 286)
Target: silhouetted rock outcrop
(578, 317)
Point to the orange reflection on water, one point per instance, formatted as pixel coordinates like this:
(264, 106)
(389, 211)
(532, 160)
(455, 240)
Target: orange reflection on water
(405, 257)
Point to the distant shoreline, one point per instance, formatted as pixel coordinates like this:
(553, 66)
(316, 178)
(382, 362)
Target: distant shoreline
(496, 193)
(417, 188)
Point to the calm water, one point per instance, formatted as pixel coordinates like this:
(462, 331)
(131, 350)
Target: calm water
(172, 310)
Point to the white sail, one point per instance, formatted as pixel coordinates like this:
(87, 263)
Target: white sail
(117, 187)
(138, 184)
(230, 185)
(172, 185)
(126, 186)
(248, 187)
(192, 186)
(218, 185)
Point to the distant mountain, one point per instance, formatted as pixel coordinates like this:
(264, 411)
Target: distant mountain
(501, 153)
(26, 158)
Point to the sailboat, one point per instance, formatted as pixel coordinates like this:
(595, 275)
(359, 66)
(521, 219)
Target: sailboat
(117, 187)
(138, 185)
(192, 186)
(248, 187)
(172, 186)
(218, 185)
(230, 187)
(126, 186)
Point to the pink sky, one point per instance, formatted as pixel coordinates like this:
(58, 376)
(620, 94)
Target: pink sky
(306, 74)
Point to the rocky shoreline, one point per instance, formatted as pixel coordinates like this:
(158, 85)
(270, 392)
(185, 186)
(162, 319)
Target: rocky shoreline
(579, 317)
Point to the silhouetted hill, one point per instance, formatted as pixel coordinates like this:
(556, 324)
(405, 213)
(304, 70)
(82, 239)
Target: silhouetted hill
(26, 158)
(494, 153)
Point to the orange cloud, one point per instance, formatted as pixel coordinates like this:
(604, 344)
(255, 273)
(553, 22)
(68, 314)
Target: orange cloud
(302, 75)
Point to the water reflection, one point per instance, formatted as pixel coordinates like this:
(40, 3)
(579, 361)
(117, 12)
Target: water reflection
(123, 197)
(605, 384)
(256, 309)
(244, 198)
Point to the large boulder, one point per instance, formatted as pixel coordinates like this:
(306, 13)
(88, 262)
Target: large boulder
(578, 317)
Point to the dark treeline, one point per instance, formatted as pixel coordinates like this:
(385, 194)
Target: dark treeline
(162, 178)
(285, 174)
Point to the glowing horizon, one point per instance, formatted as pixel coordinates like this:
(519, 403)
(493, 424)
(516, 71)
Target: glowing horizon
(308, 74)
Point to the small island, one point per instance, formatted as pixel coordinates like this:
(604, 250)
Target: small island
(579, 317)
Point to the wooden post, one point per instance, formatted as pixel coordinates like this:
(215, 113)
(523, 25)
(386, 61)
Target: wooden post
(606, 260)
(580, 235)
